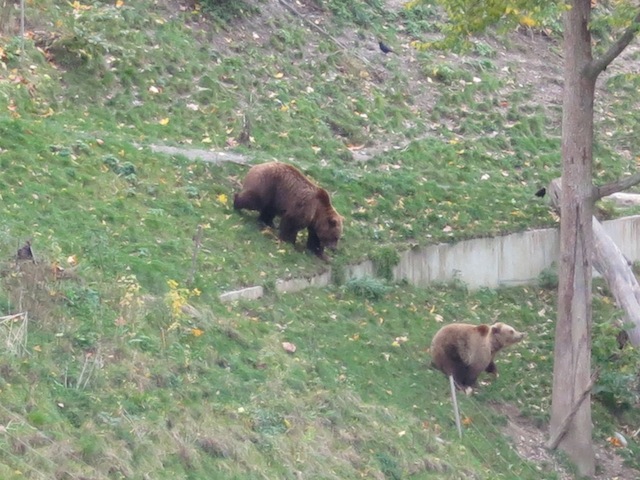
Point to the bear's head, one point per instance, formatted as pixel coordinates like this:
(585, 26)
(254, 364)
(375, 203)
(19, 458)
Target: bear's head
(328, 222)
(330, 230)
(503, 335)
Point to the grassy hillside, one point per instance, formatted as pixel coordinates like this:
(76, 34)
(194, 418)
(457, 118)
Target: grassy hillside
(117, 359)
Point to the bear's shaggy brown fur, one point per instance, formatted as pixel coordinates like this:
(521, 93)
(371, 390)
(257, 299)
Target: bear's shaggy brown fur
(278, 189)
(465, 350)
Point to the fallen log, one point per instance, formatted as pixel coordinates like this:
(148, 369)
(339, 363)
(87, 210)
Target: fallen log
(609, 261)
(623, 199)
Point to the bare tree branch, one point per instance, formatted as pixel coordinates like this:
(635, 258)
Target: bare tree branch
(617, 186)
(553, 442)
(597, 65)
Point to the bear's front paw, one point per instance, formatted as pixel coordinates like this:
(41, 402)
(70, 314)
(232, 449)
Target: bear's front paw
(324, 257)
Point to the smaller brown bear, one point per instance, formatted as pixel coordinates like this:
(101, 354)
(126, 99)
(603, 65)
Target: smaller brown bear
(464, 350)
(279, 189)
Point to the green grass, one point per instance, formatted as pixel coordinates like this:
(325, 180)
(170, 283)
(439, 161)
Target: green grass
(133, 367)
(216, 392)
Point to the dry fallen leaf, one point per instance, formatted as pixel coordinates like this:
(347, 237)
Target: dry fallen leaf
(196, 332)
(355, 147)
(289, 347)
(617, 440)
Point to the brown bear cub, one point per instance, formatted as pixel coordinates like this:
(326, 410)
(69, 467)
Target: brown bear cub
(278, 189)
(465, 350)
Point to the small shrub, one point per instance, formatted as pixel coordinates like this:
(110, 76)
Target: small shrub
(548, 278)
(384, 260)
(618, 386)
(617, 391)
(367, 287)
(224, 11)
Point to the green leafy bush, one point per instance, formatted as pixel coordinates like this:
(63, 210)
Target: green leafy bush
(224, 11)
(618, 385)
(367, 287)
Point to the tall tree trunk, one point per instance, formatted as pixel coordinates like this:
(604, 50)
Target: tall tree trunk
(572, 355)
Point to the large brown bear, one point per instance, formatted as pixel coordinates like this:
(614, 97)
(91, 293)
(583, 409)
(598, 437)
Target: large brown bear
(465, 350)
(278, 189)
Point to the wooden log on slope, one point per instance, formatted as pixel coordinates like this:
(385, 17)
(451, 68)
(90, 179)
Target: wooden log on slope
(609, 261)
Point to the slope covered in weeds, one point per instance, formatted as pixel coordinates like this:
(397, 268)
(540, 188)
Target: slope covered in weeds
(118, 361)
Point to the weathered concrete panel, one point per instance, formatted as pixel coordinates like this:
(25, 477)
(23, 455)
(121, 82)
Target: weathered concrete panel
(360, 270)
(625, 232)
(296, 284)
(249, 293)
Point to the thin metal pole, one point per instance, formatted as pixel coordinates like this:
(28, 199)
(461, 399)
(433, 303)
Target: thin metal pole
(22, 25)
(454, 400)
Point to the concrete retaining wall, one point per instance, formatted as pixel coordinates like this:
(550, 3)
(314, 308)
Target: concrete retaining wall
(484, 262)
(515, 259)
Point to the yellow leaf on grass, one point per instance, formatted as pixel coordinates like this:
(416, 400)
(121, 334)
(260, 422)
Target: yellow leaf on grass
(222, 198)
(527, 21)
(196, 332)
(164, 121)
(279, 75)
(78, 6)
(119, 3)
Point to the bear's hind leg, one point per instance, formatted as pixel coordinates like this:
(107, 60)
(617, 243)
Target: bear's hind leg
(463, 374)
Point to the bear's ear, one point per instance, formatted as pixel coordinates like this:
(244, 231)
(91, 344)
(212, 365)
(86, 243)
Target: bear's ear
(496, 328)
(323, 196)
(333, 223)
(483, 330)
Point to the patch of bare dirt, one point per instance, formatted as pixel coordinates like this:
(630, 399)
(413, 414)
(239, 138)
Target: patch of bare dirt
(529, 441)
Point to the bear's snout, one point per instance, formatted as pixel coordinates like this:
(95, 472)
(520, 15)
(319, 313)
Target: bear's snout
(519, 336)
(333, 246)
